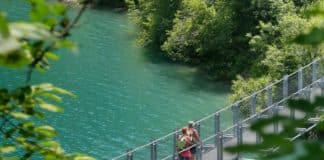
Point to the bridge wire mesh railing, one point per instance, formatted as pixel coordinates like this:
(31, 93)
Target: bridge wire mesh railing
(225, 123)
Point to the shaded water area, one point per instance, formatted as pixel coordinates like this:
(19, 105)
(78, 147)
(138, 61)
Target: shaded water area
(126, 95)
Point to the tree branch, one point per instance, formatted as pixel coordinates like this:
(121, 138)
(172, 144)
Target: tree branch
(62, 35)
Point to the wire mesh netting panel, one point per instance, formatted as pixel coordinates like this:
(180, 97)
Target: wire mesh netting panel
(277, 92)
(320, 68)
(207, 129)
(231, 123)
(166, 146)
(307, 75)
(229, 139)
(261, 100)
(245, 106)
(143, 153)
(292, 83)
(226, 119)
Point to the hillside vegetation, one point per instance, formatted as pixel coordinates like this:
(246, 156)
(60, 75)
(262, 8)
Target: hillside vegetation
(249, 42)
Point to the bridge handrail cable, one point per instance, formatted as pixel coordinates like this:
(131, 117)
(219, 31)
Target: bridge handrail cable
(229, 107)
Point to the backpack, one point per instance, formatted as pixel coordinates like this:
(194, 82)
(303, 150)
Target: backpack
(181, 143)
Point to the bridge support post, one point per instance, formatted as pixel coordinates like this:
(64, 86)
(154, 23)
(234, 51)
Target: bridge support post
(175, 139)
(198, 126)
(270, 98)
(253, 106)
(217, 127)
(300, 86)
(239, 137)
(239, 134)
(285, 87)
(314, 70)
(199, 147)
(236, 117)
(220, 146)
(129, 155)
(321, 85)
(285, 93)
(199, 151)
(154, 150)
(257, 136)
(275, 113)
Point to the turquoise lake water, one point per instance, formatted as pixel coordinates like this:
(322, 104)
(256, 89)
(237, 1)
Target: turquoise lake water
(126, 95)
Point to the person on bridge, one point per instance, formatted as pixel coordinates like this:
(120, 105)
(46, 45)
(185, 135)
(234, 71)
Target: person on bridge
(183, 143)
(194, 136)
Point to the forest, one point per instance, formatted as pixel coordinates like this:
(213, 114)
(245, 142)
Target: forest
(247, 42)
(110, 3)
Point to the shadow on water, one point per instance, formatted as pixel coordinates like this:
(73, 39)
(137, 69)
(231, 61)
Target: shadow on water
(201, 80)
(155, 56)
(120, 9)
(194, 78)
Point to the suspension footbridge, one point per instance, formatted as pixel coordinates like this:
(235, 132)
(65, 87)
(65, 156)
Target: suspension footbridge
(230, 125)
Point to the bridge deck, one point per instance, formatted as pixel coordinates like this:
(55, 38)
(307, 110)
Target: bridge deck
(249, 137)
(307, 82)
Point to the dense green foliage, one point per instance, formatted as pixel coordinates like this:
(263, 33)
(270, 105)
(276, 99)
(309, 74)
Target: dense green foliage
(281, 56)
(226, 38)
(110, 3)
(279, 145)
(230, 38)
(154, 17)
(31, 44)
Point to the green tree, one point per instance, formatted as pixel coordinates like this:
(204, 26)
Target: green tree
(225, 38)
(191, 31)
(277, 146)
(31, 45)
(241, 89)
(110, 3)
(154, 18)
(278, 55)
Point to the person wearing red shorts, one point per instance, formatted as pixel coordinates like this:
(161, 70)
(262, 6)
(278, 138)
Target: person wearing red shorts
(185, 142)
(194, 136)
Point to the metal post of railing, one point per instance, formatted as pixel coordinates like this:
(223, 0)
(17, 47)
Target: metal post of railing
(129, 155)
(300, 87)
(236, 116)
(175, 139)
(308, 92)
(270, 98)
(314, 71)
(253, 106)
(199, 151)
(321, 85)
(198, 126)
(154, 150)
(220, 146)
(285, 90)
(257, 136)
(275, 113)
(239, 137)
(239, 133)
(216, 126)
(285, 87)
